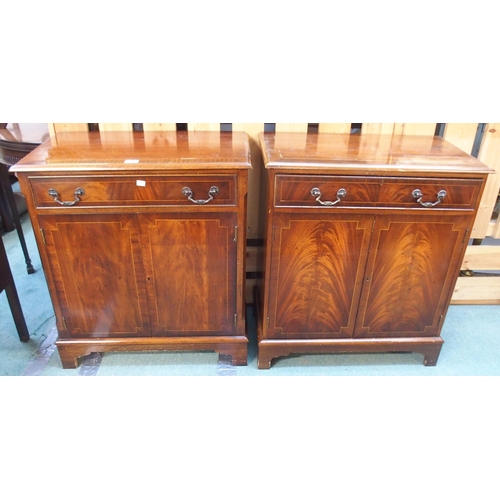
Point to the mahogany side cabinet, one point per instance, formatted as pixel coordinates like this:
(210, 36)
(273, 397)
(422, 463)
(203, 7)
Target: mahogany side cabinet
(365, 236)
(142, 239)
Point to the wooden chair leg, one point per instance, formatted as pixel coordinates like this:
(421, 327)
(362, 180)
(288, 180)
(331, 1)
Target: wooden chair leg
(17, 313)
(15, 217)
(5, 215)
(7, 284)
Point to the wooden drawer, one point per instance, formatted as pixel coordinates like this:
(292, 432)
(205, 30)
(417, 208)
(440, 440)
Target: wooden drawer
(133, 190)
(360, 192)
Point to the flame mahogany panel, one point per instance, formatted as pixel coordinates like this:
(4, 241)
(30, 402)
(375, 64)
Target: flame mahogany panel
(411, 267)
(363, 248)
(362, 192)
(316, 275)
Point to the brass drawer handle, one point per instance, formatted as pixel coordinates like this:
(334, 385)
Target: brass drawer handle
(416, 193)
(55, 195)
(340, 194)
(187, 192)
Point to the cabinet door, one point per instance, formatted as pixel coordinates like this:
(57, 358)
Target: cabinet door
(190, 264)
(317, 266)
(412, 267)
(95, 263)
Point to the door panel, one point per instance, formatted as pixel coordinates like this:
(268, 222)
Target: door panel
(317, 267)
(98, 274)
(190, 261)
(412, 265)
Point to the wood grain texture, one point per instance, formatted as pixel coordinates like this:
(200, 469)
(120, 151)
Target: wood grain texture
(489, 153)
(159, 127)
(98, 294)
(255, 219)
(318, 272)
(204, 127)
(138, 190)
(482, 257)
(252, 129)
(155, 151)
(414, 129)
(368, 154)
(269, 349)
(461, 135)
(115, 127)
(124, 263)
(71, 350)
(377, 128)
(295, 190)
(374, 191)
(335, 128)
(477, 290)
(56, 128)
(191, 288)
(405, 295)
(395, 291)
(495, 232)
(291, 127)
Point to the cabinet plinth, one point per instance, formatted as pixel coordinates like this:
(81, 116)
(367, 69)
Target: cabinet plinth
(365, 236)
(142, 239)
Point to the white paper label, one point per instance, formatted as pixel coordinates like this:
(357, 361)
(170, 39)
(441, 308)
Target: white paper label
(131, 161)
(140, 183)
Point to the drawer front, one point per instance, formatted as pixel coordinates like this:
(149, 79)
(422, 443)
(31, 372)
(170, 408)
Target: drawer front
(320, 191)
(50, 192)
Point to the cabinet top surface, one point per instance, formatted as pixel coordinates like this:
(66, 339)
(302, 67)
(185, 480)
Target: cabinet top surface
(81, 151)
(356, 153)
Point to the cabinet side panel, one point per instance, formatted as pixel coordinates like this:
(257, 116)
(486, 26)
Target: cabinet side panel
(190, 272)
(316, 273)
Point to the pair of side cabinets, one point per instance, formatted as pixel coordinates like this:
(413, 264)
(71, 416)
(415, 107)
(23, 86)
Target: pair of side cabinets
(142, 238)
